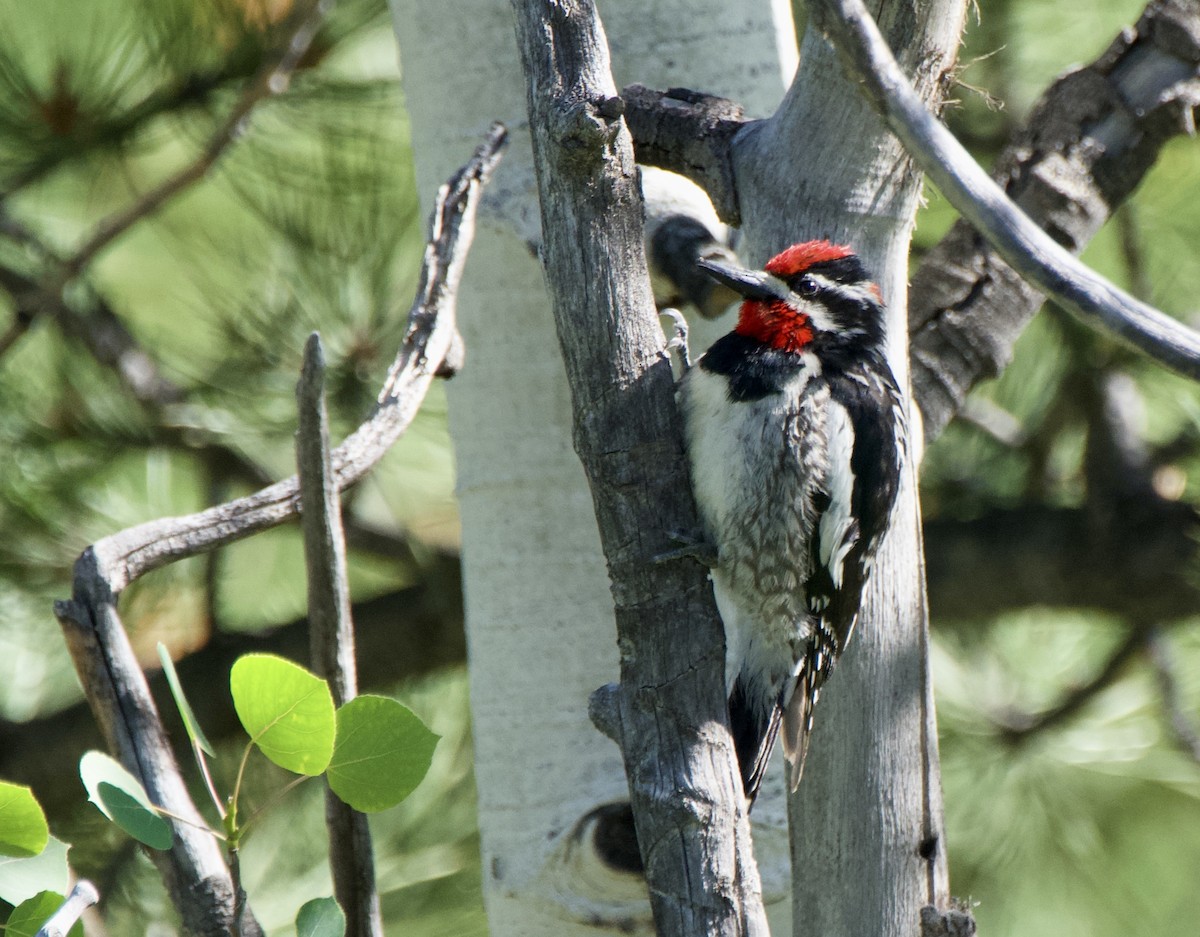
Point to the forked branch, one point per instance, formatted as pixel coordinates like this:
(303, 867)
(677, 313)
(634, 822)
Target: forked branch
(194, 869)
(1025, 246)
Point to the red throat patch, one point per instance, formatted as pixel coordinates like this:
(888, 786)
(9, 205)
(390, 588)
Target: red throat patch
(775, 323)
(799, 257)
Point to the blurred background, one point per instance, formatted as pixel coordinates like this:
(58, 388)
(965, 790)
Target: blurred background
(161, 381)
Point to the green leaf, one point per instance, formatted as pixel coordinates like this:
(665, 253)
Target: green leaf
(135, 818)
(21, 879)
(195, 733)
(383, 751)
(320, 917)
(28, 917)
(123, 800)
(23, 830)
(287, 711)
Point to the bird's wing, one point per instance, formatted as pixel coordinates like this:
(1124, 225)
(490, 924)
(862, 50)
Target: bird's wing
(865, 439)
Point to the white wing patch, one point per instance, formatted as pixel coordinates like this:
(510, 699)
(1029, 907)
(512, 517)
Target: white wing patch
(838, 531)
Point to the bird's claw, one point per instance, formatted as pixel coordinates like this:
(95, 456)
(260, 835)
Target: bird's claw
(690, 545)
(678, 342)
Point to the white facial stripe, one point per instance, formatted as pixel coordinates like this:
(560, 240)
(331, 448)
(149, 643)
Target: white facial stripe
(815, 312)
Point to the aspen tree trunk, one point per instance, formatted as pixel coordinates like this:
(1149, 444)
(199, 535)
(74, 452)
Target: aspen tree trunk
(867, 844)
(539, 611)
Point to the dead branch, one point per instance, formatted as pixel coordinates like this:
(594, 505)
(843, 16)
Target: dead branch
(689, 133)
(1089, 141)
(127, 555)
(194, 870)
(331, 637)
(1027, 248)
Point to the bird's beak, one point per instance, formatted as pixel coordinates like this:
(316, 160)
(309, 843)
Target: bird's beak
(752, 284)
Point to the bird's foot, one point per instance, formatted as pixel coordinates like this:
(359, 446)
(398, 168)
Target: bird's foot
(678, 343)
(689, 545)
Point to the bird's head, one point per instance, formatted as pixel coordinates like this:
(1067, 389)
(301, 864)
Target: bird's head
(812, 295)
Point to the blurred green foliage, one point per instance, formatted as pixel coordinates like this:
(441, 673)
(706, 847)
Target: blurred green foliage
(310, 221)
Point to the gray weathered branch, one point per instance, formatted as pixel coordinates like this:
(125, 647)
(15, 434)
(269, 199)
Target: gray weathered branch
(1089, 141)
(689, 133)
(194, 871)
(331, 632)
(82, 897)
(431, 334)
(1018, 239)
(683, 780)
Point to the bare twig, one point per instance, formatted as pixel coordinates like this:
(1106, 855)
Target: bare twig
(1182, 723)
(272, 80)
(195, 873)
(324, 539)
(82, 897)
(1028, 249)
(1017, 727)
(127, 555)
(331, 634)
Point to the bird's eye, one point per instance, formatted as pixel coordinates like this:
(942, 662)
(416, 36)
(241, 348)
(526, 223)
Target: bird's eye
(806, 286)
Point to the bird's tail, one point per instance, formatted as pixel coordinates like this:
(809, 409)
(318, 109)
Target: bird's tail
(798, 723)
(755, 727)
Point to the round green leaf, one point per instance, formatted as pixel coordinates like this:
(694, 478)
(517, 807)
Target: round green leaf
(21, 879)
(28, 917)
(383, 751)
(287, 711)
(320, 917)
(23, 830)
(121, 798)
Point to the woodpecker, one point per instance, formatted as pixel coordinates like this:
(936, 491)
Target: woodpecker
(795, 433)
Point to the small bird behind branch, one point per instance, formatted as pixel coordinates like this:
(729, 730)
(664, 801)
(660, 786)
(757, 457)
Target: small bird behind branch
(796, 436)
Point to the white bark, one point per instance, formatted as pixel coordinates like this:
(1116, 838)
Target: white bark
(539, 612)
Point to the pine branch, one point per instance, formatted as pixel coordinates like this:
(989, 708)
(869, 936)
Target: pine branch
(194, 91)
(273, 79)
(1017, 727)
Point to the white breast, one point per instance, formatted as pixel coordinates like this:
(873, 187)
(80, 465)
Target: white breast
(754, 484)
